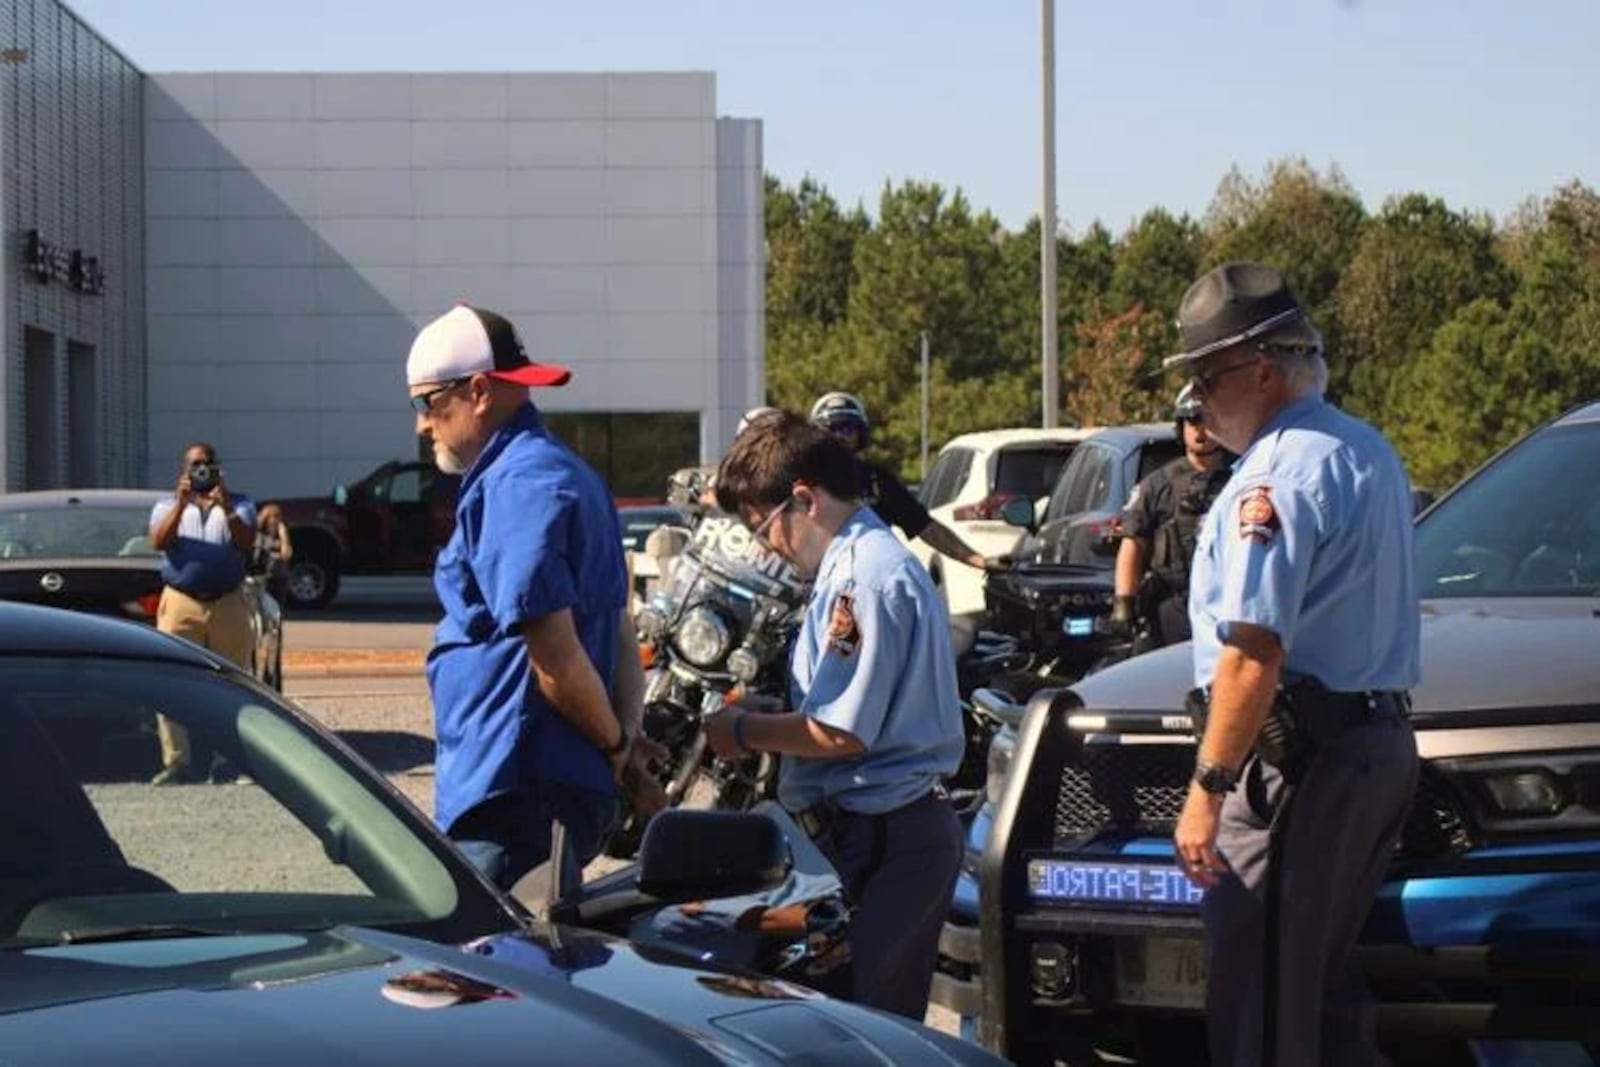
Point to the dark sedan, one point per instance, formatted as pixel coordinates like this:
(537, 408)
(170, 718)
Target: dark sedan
(89, 550)
(310, 914)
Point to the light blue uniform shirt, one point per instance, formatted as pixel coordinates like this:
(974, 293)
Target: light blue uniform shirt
(1311, 539)
(881, 668)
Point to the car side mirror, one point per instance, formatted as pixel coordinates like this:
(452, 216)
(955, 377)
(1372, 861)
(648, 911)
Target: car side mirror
(1019, 511)
(341, 494)
(694, 855)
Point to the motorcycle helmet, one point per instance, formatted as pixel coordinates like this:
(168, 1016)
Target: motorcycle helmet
(751, 416)
(1187, 405)
(844, 416)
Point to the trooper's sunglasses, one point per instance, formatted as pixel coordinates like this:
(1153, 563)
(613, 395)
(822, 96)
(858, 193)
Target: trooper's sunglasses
(1203, 383)
(422, 403)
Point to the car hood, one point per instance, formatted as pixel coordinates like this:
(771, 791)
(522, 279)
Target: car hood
(358, 997)
(1466, 646)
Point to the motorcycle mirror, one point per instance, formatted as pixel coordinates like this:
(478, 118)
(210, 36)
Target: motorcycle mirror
(1018, 512)
(665, 542)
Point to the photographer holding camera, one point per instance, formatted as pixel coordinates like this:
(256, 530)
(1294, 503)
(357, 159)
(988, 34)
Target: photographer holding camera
(205, 535)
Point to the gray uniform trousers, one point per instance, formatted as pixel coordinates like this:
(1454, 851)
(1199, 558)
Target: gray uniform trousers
(1344, 820)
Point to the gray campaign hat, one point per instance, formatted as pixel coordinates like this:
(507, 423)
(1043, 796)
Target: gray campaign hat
(1230, 304)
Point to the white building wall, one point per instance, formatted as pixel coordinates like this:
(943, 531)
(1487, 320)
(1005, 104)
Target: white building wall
(300, 227)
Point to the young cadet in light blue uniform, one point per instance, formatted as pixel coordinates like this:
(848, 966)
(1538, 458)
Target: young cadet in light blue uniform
(876, 721)
(1302, 583)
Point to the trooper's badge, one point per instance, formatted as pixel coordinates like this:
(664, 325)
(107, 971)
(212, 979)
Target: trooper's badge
(1258, 519)
(843, 633)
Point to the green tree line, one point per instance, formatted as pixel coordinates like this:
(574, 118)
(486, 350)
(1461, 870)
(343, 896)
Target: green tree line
(1449, 330)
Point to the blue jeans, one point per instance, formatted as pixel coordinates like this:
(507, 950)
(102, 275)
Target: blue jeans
(509, 835)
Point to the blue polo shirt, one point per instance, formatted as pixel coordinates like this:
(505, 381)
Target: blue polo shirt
(536, 531)
(873, 658)
(202, 559)
(1311, 539)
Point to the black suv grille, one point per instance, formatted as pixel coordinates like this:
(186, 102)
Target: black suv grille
(1123, 785)
(1127, 786)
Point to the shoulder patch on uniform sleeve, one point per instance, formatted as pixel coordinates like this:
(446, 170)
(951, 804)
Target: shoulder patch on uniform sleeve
(1258, 519)
(843, 633)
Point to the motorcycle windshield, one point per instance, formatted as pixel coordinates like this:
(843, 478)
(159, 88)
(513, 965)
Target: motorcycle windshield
(723, 546)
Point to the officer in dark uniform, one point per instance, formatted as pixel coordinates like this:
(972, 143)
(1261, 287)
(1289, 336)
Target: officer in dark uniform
(1306, 640)
(1160, 526)
(844, 416)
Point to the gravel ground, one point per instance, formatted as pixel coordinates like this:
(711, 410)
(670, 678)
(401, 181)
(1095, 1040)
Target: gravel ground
(238, 828)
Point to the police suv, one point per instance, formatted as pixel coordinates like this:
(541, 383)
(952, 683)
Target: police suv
(1484, 943)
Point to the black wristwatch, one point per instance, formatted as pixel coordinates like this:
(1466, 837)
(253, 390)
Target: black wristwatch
(1214, 778)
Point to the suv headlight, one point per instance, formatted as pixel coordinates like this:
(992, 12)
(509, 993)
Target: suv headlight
(703, 637)
(1001, 747)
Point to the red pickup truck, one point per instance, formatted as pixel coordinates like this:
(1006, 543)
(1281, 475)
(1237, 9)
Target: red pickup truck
(393, 521)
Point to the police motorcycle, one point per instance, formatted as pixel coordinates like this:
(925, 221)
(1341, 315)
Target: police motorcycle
(1056, 600)
(718, 627)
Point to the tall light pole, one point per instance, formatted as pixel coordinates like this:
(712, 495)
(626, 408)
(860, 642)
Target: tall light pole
(1050, 355)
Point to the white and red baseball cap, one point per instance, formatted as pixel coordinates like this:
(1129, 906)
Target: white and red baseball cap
(465, 341)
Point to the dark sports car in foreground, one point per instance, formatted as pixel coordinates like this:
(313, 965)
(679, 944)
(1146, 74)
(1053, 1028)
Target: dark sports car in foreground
(309, 914)
(89, 550)
(1483, 946)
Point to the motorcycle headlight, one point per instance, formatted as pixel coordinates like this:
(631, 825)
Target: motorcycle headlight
(1001, 747)
(703, 637)
(1525, 793)
(744, 664)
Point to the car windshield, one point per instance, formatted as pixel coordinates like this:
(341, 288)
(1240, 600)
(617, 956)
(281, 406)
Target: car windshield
(1528, 525)
(1030, 472)
(74, 531)
(298, 837)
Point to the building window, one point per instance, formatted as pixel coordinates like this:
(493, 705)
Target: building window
(83, 429)
(41, 419)
(634, 452)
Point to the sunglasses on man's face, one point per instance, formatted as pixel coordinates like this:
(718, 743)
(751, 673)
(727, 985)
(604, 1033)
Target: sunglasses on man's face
(422, 403)
(1205, 382)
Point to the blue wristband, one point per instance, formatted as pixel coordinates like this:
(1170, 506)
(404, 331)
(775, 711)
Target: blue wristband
(738, 732)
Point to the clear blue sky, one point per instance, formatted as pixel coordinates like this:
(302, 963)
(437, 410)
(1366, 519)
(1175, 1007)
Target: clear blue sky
(1482, 102)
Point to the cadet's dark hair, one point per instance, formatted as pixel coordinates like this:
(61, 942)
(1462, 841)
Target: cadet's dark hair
(774, 453)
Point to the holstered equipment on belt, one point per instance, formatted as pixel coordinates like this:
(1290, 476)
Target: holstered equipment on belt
(1305, 715)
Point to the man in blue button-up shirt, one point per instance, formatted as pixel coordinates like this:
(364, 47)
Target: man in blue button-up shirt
(534, 589)
(876, 721)
(1302, 583)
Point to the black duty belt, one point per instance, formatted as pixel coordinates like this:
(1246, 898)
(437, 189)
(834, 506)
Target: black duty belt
(820, 818)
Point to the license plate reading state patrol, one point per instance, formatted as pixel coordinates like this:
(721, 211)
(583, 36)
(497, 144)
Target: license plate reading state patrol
(1157, 885)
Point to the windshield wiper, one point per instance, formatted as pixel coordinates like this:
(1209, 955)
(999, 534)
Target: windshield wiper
(96, 934)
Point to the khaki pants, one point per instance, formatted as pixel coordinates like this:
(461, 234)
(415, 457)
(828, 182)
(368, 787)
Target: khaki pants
(223, 626)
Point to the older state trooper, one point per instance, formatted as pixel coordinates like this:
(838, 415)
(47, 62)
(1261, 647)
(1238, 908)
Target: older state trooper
(1306, 632)
(876, 720)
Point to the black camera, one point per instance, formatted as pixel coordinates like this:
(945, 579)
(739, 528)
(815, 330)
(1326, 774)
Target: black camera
(203, 477)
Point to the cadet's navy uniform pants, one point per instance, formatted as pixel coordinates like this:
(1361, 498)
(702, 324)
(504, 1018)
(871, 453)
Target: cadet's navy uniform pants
(1344, 820)
(899, 871)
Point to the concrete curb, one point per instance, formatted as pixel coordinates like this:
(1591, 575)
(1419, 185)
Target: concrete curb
(353, 670)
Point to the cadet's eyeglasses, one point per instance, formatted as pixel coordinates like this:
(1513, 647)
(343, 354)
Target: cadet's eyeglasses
(422, 403)
(760, 528)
